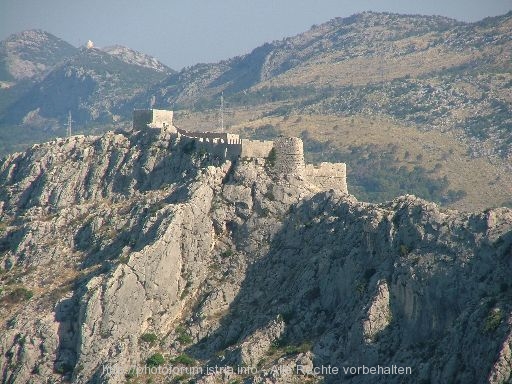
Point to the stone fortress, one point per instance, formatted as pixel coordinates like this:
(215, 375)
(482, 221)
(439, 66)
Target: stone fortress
(288, 151)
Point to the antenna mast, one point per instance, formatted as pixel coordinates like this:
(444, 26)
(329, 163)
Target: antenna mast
(222, 111)
(69, 124)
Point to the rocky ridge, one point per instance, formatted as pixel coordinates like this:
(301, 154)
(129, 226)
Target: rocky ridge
(119, 247)
(137, 58)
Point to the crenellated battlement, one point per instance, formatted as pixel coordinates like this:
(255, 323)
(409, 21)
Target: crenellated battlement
(289, 151)
(221, 137)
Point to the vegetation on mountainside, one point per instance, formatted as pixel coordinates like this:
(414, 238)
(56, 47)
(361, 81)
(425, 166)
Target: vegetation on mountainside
(442, 155)
(414, 74)
(372, 171)
(149, 338)
(155, 360)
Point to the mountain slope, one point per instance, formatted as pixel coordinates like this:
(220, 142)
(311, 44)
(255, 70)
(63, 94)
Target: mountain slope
(90, 85)
(44, 78)
(344, 86)
(424, 70)
(137, 58)
(118, 248)
(361, 35)
(368, 75)
(30, 55)
(26, 58)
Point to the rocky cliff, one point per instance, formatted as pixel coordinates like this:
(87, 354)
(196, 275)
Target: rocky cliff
(132, 250)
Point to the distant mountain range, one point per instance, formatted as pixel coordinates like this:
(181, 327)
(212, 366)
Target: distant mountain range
(409, 72)
(427, 70)
(90, 84)
(44, 78)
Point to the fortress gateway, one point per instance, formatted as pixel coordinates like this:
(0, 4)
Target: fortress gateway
(289, 151)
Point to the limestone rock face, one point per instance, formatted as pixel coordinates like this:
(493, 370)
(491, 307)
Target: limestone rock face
(379, 313)
(502, 370)
(119, 247)
(254, 348)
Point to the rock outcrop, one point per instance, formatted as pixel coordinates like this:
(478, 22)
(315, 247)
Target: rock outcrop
(129, 250)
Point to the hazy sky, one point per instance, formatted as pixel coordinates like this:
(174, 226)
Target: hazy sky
(186, 32)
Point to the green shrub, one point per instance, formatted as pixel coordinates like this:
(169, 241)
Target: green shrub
(296, 349)
(150, 338)
(124, 259)
(182, 379)
(11, 323)
(493, 320)
(182, 336)
(20, 294)
(404, 250)
(271, 159)
(270, 196)
(281, 347)
(183, 359)
(64, 369)
(360, 287)
(186, 290)
(155, 360)
(265, 212)
(226, 253)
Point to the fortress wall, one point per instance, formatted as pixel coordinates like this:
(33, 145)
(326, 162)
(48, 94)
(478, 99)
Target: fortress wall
(234, 151)
(289, 150)
(256, 148)
(233, 139)
(328, 175)
(161, 117)
(141, 118)
(289, 156)
(152, 118)
(228, 138)
(216, 148)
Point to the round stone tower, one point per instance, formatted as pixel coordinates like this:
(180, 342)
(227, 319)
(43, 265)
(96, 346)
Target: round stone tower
(289, 156)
